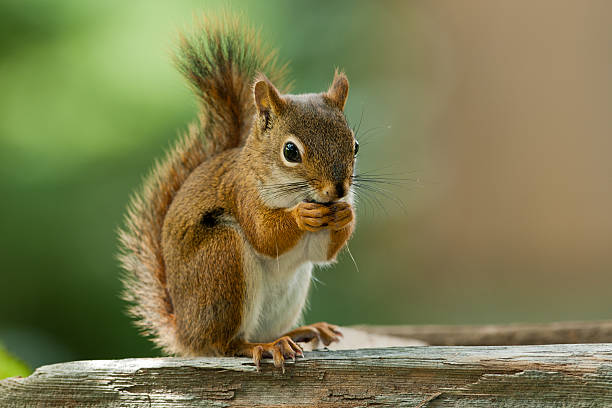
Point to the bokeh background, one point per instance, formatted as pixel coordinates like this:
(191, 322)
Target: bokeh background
(494, 117)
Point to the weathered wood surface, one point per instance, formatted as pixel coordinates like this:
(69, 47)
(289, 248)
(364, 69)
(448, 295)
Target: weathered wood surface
(357, 339)
(496, 335)
(575, 375)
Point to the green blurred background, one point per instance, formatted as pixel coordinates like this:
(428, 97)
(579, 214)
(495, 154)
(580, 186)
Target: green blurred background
(495, 114)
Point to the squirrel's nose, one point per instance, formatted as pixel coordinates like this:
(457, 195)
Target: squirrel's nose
(334, 191)
(340, 190)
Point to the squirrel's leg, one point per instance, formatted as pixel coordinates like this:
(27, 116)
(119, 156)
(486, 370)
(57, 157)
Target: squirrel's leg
(316, 333)
(207, 286)
(278, 350)
(264, 225)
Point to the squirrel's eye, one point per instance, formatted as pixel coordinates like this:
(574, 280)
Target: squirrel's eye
(292, 153)
(356, 147)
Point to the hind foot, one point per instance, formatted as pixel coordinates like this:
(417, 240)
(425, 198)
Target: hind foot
(279, 350)
(316, 334)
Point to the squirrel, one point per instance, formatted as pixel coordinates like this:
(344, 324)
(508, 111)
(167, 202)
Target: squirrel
(219, 245)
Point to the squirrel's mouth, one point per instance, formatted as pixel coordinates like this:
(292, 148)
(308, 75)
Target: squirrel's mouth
(313, 201)
(315, 198)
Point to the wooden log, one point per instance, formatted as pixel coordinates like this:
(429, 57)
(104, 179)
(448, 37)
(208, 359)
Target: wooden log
(496, 335)
(576, 375)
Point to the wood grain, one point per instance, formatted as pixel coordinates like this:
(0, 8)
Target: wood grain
(576, 375)
(497, 335)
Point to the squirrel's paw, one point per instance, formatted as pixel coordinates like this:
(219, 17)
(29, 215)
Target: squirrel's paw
(278, 350)
(316, 333)
(312, 216)
(342, 215)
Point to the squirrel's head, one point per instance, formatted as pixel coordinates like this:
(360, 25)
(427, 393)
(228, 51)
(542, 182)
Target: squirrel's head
(305, 144)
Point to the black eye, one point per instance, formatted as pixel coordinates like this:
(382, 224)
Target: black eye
(356, 147)
(292, 153)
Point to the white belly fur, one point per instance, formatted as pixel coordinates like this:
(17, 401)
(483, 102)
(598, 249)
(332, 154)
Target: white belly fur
(277, 287)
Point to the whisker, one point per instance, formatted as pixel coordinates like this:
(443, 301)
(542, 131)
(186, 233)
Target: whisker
(362, 202)
(379, 170)
(359, 124)
(389, 181)
(364, 139)
(351, 255)
(395, 179)
(301, 190)
(368, 193)
(385, 193)
(284, 185)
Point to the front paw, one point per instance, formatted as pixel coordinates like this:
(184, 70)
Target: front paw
(341, 215)
(312, 216)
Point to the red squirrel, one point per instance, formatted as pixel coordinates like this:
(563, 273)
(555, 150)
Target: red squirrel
(220, 243)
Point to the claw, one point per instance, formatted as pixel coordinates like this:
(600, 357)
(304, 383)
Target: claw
(257, 355)
(278, 358)
(279, 350)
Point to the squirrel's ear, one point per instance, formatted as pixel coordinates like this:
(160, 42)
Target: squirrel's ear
(267, 97)
(338, 91)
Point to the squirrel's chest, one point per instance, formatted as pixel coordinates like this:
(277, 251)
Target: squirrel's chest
(277, 287)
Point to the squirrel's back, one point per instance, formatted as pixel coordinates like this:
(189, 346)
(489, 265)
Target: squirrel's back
(220, 60)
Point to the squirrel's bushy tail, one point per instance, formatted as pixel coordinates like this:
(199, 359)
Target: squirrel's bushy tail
(220, 60)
